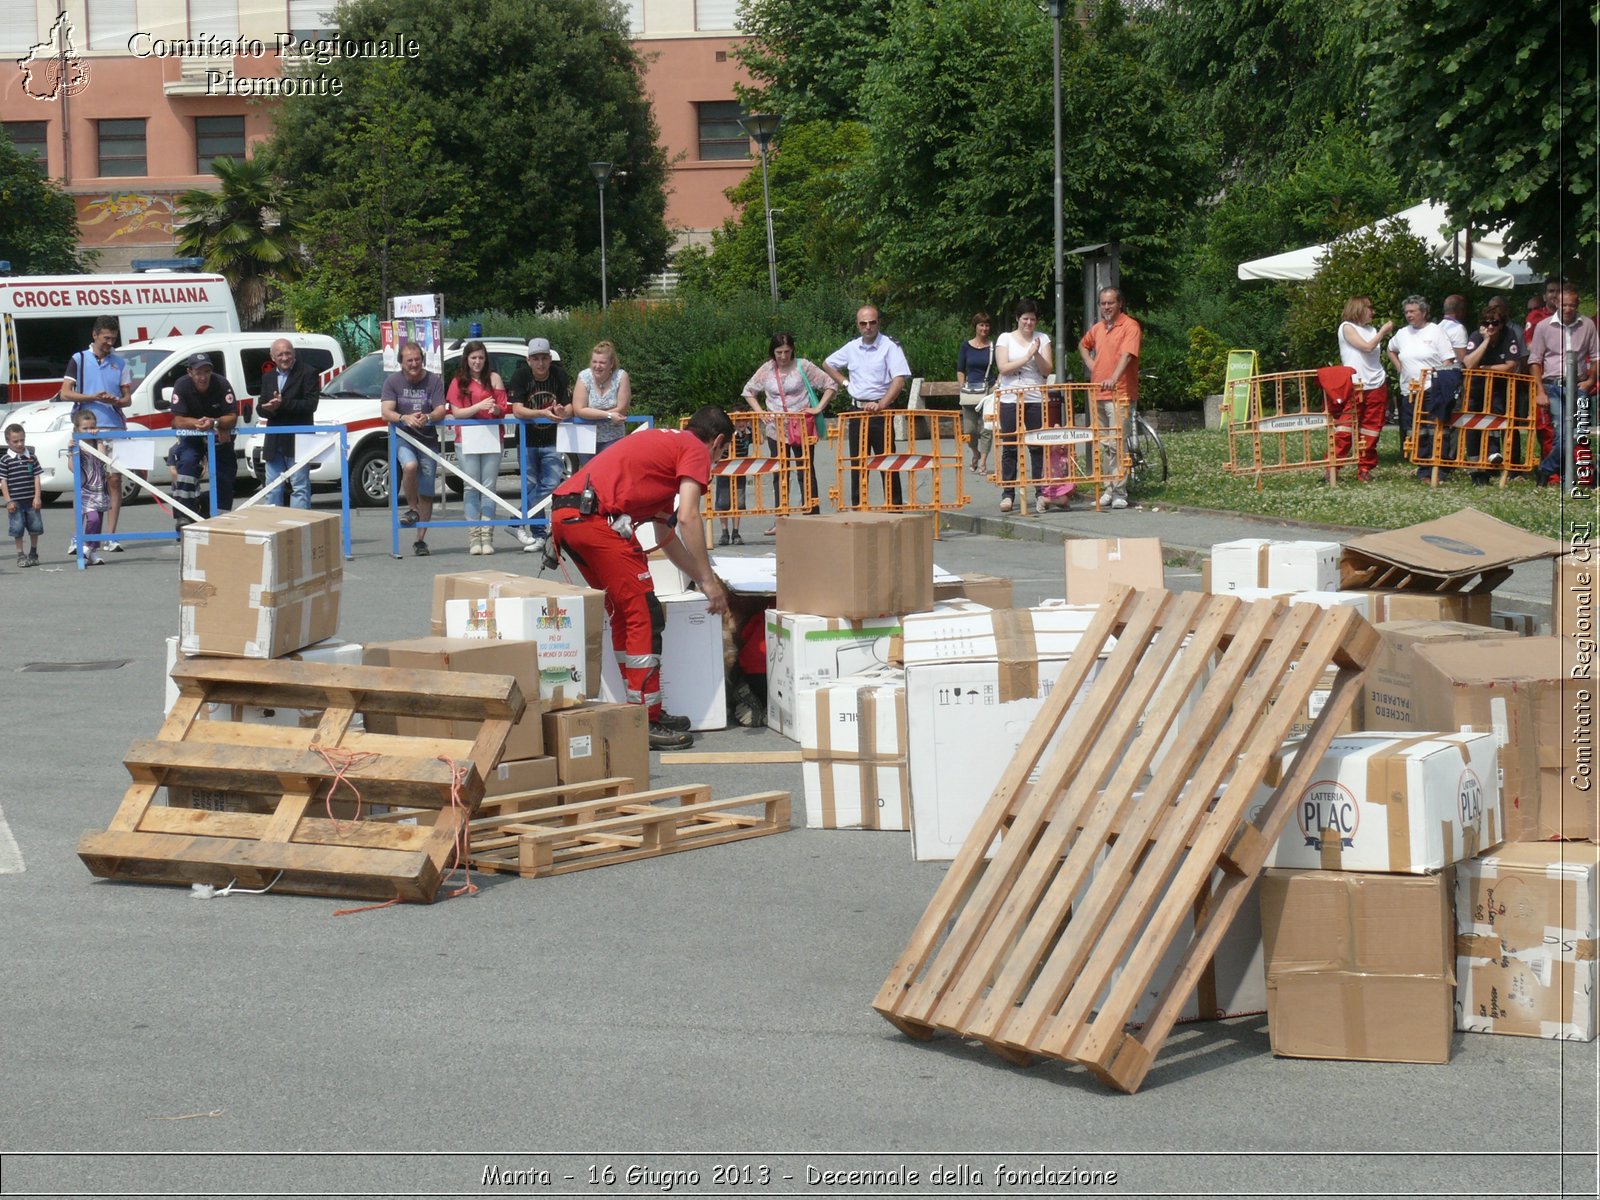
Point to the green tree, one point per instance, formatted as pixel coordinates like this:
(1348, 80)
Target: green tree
(519, 105)
(808, 57)
(1495, 108)
(38, 222)
(244, 232)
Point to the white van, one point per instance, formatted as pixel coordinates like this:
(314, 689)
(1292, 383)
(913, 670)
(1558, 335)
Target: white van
(46, 319)
(156, 365)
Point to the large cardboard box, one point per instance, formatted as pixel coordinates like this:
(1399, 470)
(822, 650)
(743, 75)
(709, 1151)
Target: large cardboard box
(987, 590)
(1387, 701)
(260, 583)
(1095, 565)
(1383, 803)
(856, 565)
(1560, 674)
(1526, 939)
(600, 741)
(526, 775)
(519, 659)
(1358, 966)
(567, 621)
(1572, 599)
(1463, 552)
(805, 652)
(852, 735)
(333, 651)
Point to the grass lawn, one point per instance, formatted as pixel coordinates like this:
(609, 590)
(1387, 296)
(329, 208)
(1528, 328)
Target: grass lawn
(1393, 500)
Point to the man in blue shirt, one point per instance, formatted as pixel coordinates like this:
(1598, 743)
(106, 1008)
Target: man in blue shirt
(101, 382)
(877, 371)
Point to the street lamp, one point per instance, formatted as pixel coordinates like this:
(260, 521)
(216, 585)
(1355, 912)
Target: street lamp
(602, 174)
(1057, 8)
(763, 127)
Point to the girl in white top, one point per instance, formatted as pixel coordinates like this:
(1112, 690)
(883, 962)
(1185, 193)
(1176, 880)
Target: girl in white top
(1358, 350)
(797, 386)
(603, 393)
(1024, 357)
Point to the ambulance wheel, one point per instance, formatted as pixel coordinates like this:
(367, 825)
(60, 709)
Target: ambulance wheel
(369, 474)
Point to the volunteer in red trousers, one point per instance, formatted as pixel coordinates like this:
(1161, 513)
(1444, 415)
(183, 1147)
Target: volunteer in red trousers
(592, 519)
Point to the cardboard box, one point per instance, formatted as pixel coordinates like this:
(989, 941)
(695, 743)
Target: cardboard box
(334, 651)
(569, 657)
(694, 683)
(855, 565)
(600, 741)
(519, 659)
(987, 590)
(1572, 594)
(1282, 566)
(1315, 703)
(260, 583)
(805, 652)
(567, 623)
(1358, 966)
(1388, 697)
(1526, 939)
(1095, 565)
(1232, 984)
(1383, 803)
(1560, 675)
(1459, 553)
(1241, 563)
(852, 735)
(525, 775)
(1467, 608)
(1520, 623)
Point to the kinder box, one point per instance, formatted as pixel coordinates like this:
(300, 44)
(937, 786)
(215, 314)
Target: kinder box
(1383, 803)
(565, 628)
(1094, 565)
(600, 741)
(1387, 699)
(855, 565)
(569, 627)
(259, 583)
(519, 659)
(805, 652)
(1526, 937)
(334, 651)
(1358, 966)
(852, 735)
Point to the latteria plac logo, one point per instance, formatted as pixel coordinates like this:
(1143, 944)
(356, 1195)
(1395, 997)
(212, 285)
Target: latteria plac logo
(52, 68)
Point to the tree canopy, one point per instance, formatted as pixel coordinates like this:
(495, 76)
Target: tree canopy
(245, 232)
(509, 110)
(38, 221)
(808, 57)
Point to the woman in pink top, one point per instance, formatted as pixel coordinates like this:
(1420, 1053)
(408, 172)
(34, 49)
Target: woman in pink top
(798, 390)
(476, 394)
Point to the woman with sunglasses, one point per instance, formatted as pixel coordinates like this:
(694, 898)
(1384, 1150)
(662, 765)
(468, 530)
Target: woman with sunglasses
(1496, 345)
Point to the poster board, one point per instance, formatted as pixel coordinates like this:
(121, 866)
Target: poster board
(1236, 385)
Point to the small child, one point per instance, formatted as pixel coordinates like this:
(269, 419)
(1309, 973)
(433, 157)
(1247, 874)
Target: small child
(723, 493)
(96, 497)
(20, 486)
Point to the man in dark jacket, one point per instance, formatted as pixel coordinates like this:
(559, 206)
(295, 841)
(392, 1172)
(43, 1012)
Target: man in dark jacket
(289, 395)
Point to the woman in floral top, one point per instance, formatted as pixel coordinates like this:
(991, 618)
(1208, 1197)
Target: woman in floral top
(800, 390)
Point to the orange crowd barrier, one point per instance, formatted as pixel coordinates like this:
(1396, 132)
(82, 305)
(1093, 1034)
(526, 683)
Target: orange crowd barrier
(916, 455)
(1288, 427)
(1491, 427)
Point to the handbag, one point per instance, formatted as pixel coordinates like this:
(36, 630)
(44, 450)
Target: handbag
(812, 425)
(987, 409)
(970, 398)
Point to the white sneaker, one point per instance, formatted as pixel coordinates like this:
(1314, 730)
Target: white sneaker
(94, 559)
(523, 536)
(1039, 506)
(534, 545)
(1119, 502)
(1106, 497)
(114, 547)
(72, 548)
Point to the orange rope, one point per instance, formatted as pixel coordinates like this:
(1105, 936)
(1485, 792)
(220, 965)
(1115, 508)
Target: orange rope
(462, 848)
(340, 762)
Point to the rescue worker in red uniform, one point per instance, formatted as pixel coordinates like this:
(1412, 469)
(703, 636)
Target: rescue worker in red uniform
(592, 519)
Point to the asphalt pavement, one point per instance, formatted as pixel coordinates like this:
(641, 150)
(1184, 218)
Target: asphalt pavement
(704, 1013)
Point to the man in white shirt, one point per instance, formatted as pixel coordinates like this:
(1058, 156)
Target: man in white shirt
(873, 369)
(1421, 346)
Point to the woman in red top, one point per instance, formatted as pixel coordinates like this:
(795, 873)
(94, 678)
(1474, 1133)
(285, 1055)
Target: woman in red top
(476, 394)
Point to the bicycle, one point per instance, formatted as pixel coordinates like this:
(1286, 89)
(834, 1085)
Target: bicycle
(1146, 453)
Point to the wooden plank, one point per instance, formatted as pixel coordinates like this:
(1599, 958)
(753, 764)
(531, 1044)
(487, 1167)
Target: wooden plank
(370, 835)
(275, 683)
(256, 733)
(708, 758)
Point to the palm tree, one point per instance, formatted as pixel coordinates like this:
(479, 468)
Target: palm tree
(241, 233)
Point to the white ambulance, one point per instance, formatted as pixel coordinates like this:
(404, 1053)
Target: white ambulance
(46, 319)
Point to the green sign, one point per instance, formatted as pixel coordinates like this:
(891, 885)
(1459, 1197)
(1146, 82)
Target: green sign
(1236, 385)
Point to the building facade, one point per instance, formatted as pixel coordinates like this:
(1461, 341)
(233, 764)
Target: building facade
(119, 99)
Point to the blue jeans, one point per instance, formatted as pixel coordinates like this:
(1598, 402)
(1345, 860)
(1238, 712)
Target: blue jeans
(25, 519)
(299, 483)
(482, 467)
(542, 467)
(1554, 463)
(405, 454)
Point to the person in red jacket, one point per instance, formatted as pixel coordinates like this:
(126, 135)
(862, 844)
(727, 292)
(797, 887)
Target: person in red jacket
(592, 519)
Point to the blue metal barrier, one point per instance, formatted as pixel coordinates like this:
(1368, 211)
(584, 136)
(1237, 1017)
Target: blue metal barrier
(129, 435)
(304, 462)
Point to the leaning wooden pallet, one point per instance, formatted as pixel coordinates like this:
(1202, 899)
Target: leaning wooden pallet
(288, 848)
(1112, 850)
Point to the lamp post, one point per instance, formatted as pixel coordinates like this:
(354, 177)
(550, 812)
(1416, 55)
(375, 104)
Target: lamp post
(763, 127)
(602, 175)
(1057, 9)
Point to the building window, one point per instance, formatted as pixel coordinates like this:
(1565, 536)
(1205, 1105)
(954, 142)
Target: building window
(217, 137)
(311, 19)
(29, 138)
(19, 29)
(715, 14)
(112, 24)
(214, 18)
(720, 135)
(122, 147)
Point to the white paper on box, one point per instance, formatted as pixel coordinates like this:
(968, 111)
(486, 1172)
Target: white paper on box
(804, 652)
(1378, 802)
(139, 454)
(555, 623)
(1303, 566)
(324, 445)
(580, 746)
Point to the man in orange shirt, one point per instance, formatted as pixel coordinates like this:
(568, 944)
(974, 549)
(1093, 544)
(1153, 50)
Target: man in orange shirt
(1110, 349)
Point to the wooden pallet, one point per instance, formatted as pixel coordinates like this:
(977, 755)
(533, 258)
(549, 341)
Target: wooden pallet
(291, 848)
(1047, 948)
(604, 823)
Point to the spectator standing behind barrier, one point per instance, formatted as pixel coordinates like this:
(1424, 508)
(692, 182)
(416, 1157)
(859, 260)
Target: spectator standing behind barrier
(413, 401)
(102, 382)
(594, 515)
(1549, 303)
(540, 392)
(975, 368)
(289, 395)
(1496, 346)
(1421, 346)
(1024, 357)
(21, 489)
(1547, 355)
(1111, 350)
(478, 394)
(873, 371)
(801, 391)
(92, 497)
(202, 402)
(1358, 350)
(604, 393)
